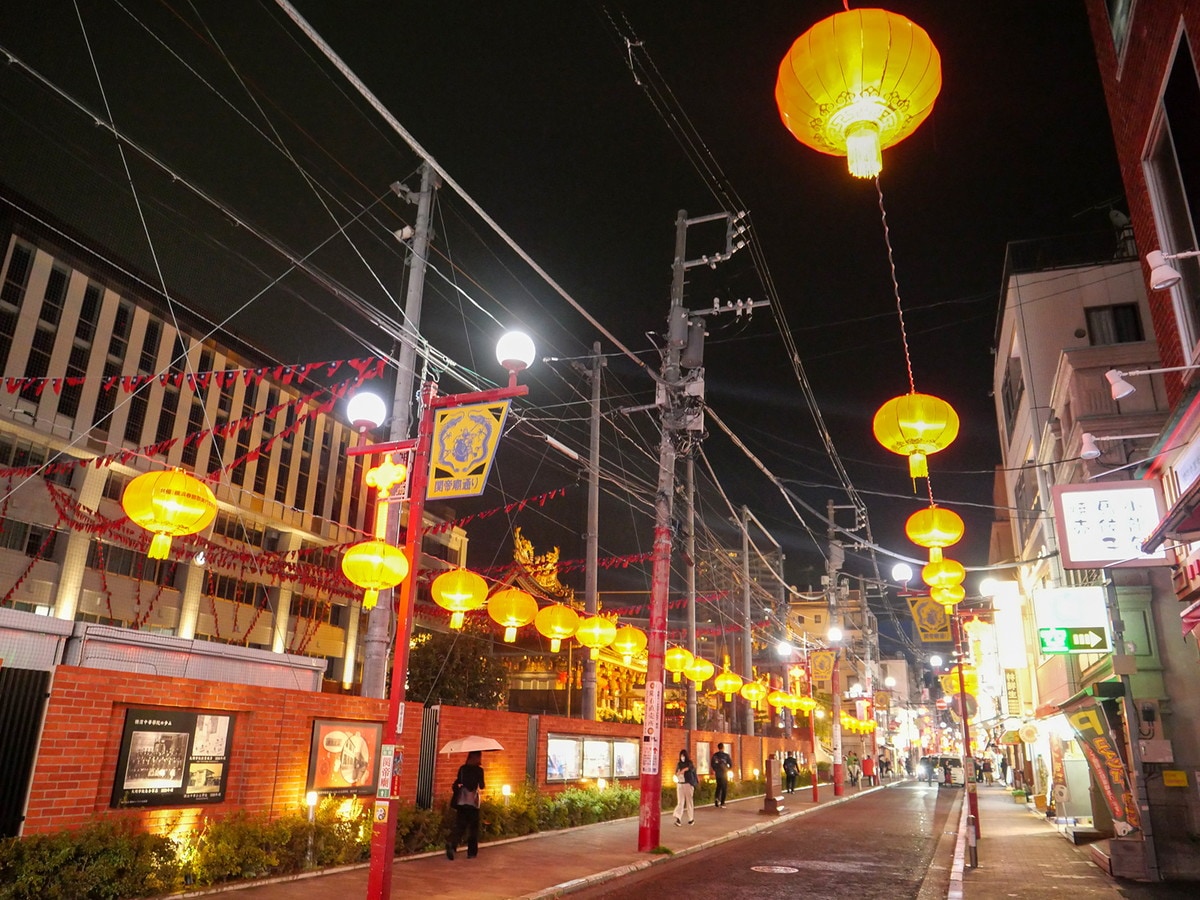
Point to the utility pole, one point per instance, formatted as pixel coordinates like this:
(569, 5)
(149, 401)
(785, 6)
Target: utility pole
(747, 673)
(679, 399)
(690, 545)
(590, 591)
(836, 557)
(378, 639)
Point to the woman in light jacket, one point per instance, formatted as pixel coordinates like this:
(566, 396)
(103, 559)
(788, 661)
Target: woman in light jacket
(685, 787)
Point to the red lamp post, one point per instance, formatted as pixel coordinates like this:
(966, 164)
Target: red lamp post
(515, 353)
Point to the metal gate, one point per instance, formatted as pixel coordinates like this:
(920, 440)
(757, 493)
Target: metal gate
(23, 695)
(427, 756)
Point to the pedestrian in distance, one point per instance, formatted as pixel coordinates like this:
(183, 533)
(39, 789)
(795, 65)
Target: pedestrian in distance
(791, 771)
(987, 771)
(722, 763)
(685, 788)
(853, 770)
(465, 800)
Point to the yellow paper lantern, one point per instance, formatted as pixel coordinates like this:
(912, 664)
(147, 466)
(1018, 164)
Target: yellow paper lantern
(556, 622)
(934, 528)
(595, 633)
(168, 504)
(676, 661)
(629, 641)
(857, 82)
(915, 425)
(459, 591)
(943, 573)
(949, 596)
(806, 704)
(699, 670)
(779, 699)
(374, 566)
(512, 608)
(754, 691)
(727, 683)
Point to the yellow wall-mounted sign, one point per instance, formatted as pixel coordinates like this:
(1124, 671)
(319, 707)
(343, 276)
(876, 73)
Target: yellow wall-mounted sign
(1174, 778)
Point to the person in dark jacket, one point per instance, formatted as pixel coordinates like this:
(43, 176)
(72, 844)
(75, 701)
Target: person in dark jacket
(465, 793)
(791, 771)
(722, 762)
(686, 781)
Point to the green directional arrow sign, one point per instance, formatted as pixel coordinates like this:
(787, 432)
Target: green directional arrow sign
(1074, 640)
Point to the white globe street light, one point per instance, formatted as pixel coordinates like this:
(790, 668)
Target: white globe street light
(902, 573)
(515, 351)
(834, 634)
(365, 411)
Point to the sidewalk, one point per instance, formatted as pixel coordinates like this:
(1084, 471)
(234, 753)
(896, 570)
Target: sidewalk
(1021, 854)
(548, 864)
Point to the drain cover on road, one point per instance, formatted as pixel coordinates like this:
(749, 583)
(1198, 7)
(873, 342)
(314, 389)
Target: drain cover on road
(775, 870)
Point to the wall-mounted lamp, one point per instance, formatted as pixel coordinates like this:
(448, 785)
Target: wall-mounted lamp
(1162, 275)
(1122, 388)
(1089, 450)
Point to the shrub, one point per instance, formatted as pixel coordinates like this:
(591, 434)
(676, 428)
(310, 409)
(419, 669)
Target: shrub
(107, 860)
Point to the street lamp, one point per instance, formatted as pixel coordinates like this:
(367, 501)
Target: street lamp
(515, 351)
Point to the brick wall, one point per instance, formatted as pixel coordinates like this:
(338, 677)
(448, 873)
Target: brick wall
(269, 753)
(1132, 104)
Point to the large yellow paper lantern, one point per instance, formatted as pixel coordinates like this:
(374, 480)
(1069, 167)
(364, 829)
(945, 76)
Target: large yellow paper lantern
(857, 82)
(699, 670)
(915, 425)
(949, 595)
(374, 566)
(459, 591)
(943, 573)
(753, 691)
(676, 661)
(629, 641)
(512, 608)
(806, 704)
(595, 633)
(556, 622)
(934, 528)
(727, 683)
(168, 503)
(780, 699)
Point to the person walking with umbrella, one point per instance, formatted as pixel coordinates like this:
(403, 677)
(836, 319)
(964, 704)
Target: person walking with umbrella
(465, 800)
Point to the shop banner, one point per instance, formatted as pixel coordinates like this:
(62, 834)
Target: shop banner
(822, 664)
(464, 444)
(1090, 724)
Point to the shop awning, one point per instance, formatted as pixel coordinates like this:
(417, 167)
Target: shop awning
(1181, 523)
(1011, 738)
(1100, 690)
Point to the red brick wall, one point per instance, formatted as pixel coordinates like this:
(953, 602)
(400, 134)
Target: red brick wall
(269, 754)
(1132, 103)
(81, 739)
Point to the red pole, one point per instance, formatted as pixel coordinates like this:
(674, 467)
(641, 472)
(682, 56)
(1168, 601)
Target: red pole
(383, 829)
(835, 687)
(969, 757)
(650, 804)
(812, 732)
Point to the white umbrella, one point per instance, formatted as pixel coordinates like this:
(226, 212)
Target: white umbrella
(470, 743)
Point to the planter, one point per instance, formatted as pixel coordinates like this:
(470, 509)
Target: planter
(1018, 796)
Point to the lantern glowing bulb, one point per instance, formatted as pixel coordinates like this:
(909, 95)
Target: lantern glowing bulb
(512, 608)
(916, 425)
(374, 566)
(676, 660)
(459, 591)
(857, 82)
(168, 504)
(595, 633)
(556, 622)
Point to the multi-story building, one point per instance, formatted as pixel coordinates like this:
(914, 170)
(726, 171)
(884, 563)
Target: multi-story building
(106, 379)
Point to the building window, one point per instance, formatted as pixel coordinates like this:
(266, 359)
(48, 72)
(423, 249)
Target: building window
(1011, 391)
(81, 349)
(1120, 323)
(117, 345)
(1173, 173)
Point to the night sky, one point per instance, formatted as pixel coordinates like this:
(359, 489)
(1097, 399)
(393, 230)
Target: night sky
(535, 110)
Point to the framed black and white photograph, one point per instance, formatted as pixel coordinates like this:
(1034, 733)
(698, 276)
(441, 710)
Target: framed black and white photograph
(172, 757)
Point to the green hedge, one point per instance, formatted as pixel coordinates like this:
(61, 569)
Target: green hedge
(109, 860)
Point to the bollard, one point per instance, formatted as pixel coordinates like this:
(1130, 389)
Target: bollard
(972, 841)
